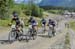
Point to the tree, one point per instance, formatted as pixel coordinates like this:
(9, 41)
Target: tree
(34, 10)
(4, 8)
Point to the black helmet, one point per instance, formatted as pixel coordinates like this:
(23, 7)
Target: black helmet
(15, 14)
(49, 19)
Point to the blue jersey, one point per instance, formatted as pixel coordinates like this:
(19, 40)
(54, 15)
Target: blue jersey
(33, 22)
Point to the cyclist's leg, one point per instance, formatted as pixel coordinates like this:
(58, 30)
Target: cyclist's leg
(21, 27)
(50, 32)
(16, 36)
(34, 29)
(53, 31)
(43, 27)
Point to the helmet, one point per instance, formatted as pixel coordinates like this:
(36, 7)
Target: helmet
(49, 19)
(15, 13)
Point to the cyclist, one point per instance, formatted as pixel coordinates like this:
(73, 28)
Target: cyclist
(33, 23)
(16, 21)
(43, 21)
(51, 24)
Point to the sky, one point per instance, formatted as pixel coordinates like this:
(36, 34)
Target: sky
(35, 1)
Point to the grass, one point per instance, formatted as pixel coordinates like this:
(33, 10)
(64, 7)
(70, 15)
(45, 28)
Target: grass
(67, 41)
(4, 23)
(72, 25)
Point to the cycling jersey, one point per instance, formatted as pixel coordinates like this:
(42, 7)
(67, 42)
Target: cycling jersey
(51, 23)
(43, 21)
(33, 22)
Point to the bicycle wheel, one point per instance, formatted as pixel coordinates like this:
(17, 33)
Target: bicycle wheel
(53, 32)
(34, 34)
(50, 33)
(29, 33)
(12, 35)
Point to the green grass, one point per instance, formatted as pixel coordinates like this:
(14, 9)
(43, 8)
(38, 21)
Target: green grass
(4, 23)
(67, 41)
(72, 25)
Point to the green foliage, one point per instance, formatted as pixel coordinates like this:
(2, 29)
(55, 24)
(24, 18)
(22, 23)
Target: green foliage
(11, 3)
(36, 11)
(72, 25)
(4, 8)
(4, 23)
(33, 10)
(67, 41)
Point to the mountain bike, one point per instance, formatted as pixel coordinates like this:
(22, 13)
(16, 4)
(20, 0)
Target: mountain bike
(32, 33)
